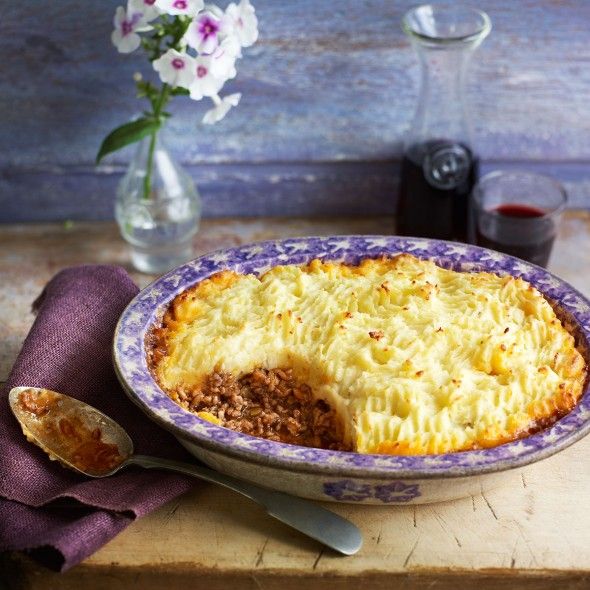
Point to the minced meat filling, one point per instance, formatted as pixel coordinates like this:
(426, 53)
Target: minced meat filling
(268, 403)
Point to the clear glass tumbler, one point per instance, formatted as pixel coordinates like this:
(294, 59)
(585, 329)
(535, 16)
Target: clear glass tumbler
(517, 213)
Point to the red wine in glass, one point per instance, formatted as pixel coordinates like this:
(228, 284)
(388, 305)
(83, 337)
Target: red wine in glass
(520, 230)
(435, 183)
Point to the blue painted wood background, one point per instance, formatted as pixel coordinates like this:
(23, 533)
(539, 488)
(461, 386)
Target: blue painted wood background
(328, 93)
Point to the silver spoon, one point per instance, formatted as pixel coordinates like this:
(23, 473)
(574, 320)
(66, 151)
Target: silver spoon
(85, 440)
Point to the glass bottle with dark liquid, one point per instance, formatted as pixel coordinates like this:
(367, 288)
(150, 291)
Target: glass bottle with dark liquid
(439, 167)
(435, 183)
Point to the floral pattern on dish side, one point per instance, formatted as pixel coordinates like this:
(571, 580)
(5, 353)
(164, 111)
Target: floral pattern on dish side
(348, 490)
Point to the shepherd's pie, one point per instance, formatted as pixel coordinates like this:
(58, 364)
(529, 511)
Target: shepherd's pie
(394, 355)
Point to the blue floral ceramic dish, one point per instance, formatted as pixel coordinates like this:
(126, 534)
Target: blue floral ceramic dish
(335, 475)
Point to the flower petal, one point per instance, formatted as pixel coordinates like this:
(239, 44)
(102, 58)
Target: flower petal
(243, 19)
(147, 8)
(204, 83)
(209, 45)
(203, 33)
(233, 99)
(125, 43)
(221, 108)
(175, 68)
(120, 16)
(181, 7)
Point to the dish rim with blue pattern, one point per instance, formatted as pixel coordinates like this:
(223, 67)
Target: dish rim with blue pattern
(148, 306)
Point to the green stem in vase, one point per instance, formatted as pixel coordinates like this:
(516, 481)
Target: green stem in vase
(180, 25)
(157, 107)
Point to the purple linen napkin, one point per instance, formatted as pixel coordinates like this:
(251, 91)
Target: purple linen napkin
(52, 513)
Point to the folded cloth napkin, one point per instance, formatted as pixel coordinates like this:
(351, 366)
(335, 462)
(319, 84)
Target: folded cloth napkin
(52, 513)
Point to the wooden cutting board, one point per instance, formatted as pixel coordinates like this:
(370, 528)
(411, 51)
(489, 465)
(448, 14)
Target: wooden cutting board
(534, 532)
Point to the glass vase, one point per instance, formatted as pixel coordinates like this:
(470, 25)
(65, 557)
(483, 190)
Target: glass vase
(439, 165)
(158, 208)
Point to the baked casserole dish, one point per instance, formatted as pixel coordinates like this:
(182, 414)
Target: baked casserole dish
(366, 369)
(392, 355)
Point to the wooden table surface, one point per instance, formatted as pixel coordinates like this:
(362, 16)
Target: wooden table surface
(534, 532)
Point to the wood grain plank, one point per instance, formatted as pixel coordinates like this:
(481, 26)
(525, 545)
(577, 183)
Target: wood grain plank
(34, 578)
(326, 82)
(244, 190)
(79, 193)
(328, 94)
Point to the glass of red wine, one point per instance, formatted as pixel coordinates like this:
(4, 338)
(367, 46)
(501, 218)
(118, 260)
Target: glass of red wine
(517, 213)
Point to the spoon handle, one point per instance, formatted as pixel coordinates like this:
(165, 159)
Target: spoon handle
(312, 520)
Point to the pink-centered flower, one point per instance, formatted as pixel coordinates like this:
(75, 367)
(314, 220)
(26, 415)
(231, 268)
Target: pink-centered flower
(241, 20)
(221, 108)
(204, 83)
(181, 7)
(203, 33)
(125, 37)
(175, 68)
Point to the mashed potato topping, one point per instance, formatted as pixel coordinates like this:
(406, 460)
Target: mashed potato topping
(412, 357)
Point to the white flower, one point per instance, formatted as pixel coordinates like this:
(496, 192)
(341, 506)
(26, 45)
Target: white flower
(125, 37)
(175, 68)
(183, 7)
(221, 108)
(146, 7)
(215, 10)
(223, 62)
(241, 20)
(204, 82)
(203, 33)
